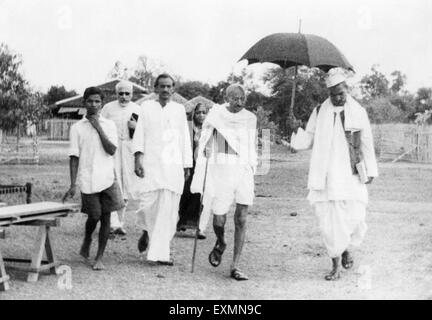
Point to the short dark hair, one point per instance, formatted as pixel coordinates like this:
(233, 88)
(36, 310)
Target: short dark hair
(92, 90)
(163, 76)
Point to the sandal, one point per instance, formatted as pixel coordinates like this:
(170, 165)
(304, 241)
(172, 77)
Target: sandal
(347, 260)
(165, 263)
(332, 276)
(238, 275)
(215, 256)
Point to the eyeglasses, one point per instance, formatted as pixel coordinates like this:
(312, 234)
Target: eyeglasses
(124, 93)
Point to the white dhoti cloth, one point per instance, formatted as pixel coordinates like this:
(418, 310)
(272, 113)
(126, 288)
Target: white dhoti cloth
(232, 181)
(158, 215)
(126, 178)
(338, 196)
(342, 223)
(123, 157)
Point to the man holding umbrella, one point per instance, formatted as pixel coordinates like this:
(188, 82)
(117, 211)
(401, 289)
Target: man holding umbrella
(342, 163)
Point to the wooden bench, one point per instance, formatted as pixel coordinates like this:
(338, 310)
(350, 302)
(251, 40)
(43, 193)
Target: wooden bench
(15, 188)
(42, 215)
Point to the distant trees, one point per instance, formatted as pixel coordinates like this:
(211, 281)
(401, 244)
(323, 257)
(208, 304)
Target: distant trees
(144, 72)
(57, 93)
(20, 106)
(310, 91)
(192, 89)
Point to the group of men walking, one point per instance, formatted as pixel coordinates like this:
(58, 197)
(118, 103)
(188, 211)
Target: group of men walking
(125, 151)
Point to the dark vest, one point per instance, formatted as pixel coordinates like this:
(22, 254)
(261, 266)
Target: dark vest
(353, 140)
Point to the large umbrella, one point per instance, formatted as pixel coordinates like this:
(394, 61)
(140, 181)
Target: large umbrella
(295, 49)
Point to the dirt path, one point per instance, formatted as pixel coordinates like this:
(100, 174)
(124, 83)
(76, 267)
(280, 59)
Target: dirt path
(283, 256)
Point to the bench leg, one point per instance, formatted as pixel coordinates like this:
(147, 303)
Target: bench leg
(38, 252)
(4, 284)
(49, 252)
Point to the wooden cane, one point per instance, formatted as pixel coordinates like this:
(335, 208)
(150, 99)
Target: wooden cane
(199, 217)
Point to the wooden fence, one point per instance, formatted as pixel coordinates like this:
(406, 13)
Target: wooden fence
(394, 142)
(58, 129)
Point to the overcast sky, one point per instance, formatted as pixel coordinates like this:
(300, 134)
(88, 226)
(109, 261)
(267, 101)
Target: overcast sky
(76, 43)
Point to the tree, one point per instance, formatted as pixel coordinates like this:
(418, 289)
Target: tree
(13, 88)
(19, 106)
(310, 91)
(192, 89)
(146, 71)
(381, 110)
(118, 71)
(398, 82)
(57, 93)
(376, 84)
(217, 92)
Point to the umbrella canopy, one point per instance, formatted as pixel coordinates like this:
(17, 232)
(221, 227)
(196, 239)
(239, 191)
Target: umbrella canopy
(191, 104)
(293, 49)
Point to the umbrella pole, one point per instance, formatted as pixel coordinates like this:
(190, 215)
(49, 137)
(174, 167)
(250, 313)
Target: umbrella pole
(291, 109)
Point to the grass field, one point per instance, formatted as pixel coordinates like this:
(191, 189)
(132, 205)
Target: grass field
(283, 255)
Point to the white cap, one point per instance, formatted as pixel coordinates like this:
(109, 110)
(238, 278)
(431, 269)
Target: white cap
(334, 77)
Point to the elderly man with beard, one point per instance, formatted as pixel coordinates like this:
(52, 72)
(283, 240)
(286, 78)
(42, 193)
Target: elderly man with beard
(123, 112)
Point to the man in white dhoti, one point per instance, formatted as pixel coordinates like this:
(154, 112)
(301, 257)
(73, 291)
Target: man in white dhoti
(163, 156)
(343, 161)
(123, 112)
(230, 130)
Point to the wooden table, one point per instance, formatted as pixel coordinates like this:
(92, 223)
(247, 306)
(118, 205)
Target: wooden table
(43, 215)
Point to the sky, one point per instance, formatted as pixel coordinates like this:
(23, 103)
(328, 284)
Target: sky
(76, 43)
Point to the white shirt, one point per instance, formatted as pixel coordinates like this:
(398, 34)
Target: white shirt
(162, 135)
(120, 115)
(341, 183)
(96, 167)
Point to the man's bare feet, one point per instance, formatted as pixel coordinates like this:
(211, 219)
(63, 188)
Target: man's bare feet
(85, 249)
(98, 265)
(335, 273)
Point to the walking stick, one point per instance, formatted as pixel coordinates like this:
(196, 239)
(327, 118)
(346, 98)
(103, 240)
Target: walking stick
(199, 217)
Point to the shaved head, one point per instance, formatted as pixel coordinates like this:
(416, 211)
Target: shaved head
(233, 88)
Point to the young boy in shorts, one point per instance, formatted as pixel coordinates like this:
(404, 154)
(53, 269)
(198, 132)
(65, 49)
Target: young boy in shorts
(93, 142)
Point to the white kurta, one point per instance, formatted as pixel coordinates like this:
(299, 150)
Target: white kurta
(162, 135)
(124, 157)
(341, 205)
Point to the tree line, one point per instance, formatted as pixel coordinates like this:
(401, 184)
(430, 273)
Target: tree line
(385, 97)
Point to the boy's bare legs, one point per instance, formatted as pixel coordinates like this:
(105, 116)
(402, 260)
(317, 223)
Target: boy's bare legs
(90, 227)
(103, 239)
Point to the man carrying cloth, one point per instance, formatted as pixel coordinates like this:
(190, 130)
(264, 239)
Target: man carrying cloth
(93, 142)
(342, 163)
(228, 141)
(122, 111)
(163, 156)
